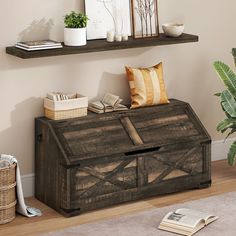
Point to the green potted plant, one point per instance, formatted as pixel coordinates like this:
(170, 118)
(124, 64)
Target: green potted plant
(228, 104)
(75, 29)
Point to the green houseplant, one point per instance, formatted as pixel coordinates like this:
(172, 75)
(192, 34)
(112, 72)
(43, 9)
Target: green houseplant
(75, 29)
(228, 104)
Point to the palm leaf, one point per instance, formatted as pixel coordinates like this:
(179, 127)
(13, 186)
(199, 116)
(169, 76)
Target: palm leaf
(234, 55)
(226, 124)
(234, 52)
(227, 76)
(225, 111)
(231, 132)
(232, 154)
(228, 102)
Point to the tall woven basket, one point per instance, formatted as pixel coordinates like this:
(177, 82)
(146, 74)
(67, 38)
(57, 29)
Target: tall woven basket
(7, 194)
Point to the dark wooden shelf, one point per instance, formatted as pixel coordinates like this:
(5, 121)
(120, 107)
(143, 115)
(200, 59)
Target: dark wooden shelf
(102, 45)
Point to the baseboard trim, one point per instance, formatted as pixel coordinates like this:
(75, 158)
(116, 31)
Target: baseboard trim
(219, 150)
(28, 185)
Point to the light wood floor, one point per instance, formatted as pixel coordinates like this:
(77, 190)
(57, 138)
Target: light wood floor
(224, 180)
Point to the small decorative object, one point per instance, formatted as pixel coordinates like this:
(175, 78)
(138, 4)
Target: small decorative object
(75, 29)
(173, 29)
(59, 106)
(228, 104)
(125, 37)
(145, 18)
(107, 16)
(110, 36)
(118, 37)
(147, 86)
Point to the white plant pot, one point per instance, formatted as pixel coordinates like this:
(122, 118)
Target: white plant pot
(75, 37)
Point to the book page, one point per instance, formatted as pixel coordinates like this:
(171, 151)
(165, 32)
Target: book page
(97, 105)
(186, 221)
(182, 220)
(110, 99)
(95, 110)
(100, 105)
(197, 214)
(120, 107)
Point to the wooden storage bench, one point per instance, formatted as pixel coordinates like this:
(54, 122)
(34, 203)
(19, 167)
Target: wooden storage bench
(96, 161)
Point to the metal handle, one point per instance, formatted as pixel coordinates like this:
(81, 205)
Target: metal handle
(153, 149)
(40, 138)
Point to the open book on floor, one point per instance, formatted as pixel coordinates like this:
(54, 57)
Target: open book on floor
(186, 221)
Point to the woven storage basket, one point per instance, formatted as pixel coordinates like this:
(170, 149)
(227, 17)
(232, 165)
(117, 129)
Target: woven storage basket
(60, 115)
(7, 194)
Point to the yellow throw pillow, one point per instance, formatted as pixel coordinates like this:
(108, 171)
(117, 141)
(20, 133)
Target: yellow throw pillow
(147, 86)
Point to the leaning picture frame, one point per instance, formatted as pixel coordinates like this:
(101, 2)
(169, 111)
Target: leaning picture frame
(144, 18)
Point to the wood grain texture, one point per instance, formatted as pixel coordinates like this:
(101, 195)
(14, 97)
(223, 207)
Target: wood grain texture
(98, 161)
(180, 162)
(132, 132)
(142, 172)
(102, 45)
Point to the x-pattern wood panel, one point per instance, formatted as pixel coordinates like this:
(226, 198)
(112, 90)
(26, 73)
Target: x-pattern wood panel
(103, 178)
(187, 170)
(177, 165)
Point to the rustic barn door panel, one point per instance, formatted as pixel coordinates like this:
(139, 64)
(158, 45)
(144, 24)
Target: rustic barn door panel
(101, 179)
(173, 164)
(156, 127)
(99, 139)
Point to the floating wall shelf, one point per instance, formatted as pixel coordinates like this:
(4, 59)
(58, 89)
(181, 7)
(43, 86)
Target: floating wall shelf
(102, 45)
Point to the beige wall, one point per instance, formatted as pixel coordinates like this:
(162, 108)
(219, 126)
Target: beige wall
(188, 67)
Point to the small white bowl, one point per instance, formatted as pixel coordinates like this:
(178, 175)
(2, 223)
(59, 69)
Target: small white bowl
(173, 29)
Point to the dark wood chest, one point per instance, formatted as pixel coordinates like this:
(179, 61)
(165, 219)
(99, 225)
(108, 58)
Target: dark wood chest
(100, 160)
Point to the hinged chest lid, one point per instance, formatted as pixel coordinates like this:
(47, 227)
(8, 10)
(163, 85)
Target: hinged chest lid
(119, 133)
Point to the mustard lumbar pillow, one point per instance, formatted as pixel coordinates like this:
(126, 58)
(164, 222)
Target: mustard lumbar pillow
(147, 86)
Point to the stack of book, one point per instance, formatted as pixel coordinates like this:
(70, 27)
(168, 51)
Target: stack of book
(109, 103)
(38, 45)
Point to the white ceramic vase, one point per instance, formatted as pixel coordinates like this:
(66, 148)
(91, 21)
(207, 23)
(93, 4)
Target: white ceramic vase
(75, 36)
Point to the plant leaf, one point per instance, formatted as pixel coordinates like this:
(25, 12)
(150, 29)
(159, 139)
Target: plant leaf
(225, 111)
(225, 124)
(231, 132)
(227, 76)
(232, 154)
(217, 94)
(234, 55)
(228, 102)
(234, 52)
